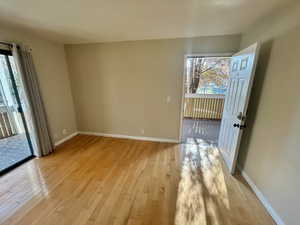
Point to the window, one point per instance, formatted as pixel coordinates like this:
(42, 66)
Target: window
(1, 97)
(207, 75)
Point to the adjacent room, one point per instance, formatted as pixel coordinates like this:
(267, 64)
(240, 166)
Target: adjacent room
(149, 112)
(205, 85)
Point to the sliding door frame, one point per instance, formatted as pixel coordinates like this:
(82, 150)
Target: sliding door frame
(6, 54)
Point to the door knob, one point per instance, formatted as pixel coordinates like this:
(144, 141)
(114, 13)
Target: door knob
(239, 126)
(241, 117)
(242, 126)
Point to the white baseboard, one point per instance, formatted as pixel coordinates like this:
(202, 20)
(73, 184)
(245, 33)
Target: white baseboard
(263, 199)
(65, 139)
(129, 137)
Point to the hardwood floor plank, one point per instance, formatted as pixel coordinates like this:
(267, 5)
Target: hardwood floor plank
(99, 180)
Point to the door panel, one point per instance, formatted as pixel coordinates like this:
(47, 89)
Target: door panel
(15, 145)
(243, 66)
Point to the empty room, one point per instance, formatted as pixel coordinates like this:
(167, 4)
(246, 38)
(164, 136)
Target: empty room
(149, 112)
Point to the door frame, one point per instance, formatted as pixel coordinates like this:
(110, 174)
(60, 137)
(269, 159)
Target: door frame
(229, 54)
(6, 54)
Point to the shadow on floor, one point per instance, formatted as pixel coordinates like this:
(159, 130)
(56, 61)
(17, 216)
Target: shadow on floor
(200, 129)
(209, 195)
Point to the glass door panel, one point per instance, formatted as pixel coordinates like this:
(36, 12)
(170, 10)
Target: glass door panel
(15, 144)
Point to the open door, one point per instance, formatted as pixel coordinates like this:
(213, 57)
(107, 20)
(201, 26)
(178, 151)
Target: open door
(242, 72)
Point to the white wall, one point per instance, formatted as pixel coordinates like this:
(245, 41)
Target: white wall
(122, 87)
(270, 147)
(50, 62)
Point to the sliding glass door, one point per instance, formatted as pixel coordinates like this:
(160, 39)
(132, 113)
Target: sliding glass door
(15, 144)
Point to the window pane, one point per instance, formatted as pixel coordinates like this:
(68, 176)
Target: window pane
(207, 75)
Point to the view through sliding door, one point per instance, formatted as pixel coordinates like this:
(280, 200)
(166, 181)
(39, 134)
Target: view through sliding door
(15, 144)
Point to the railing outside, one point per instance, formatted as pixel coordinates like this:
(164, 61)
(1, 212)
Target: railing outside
(7, 123)
(201, 106)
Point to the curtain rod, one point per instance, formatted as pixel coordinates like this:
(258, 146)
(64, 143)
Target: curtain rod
(11, 45)
(6, 43)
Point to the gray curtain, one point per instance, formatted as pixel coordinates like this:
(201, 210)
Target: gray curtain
(35, 114)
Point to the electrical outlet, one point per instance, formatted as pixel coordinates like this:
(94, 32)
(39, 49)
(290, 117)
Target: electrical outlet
(55, 136)
(65, 131)
(142, 131)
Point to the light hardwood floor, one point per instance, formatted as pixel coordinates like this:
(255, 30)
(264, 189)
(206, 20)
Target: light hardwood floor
(106, 181)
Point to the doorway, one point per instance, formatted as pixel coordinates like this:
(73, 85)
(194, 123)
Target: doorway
(205, 84)
(15, 143)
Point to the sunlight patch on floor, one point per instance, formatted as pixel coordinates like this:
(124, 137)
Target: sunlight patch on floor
(202, 193)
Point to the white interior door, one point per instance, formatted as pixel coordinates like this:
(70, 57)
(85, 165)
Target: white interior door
(242, 72)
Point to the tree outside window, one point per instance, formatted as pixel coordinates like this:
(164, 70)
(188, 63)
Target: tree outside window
(207, 75)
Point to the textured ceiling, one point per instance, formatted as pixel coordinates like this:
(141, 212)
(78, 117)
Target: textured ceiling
(84, 21)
